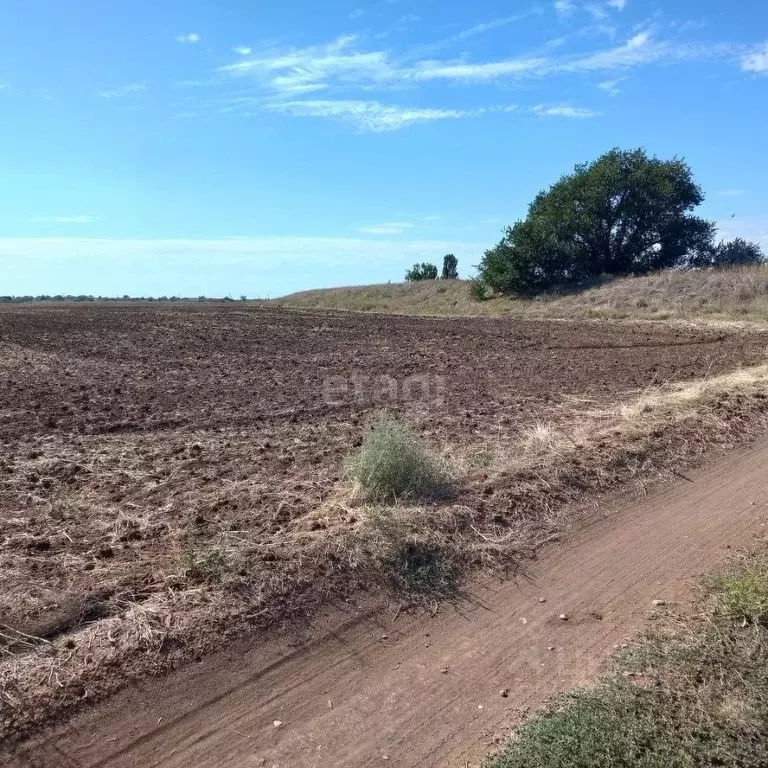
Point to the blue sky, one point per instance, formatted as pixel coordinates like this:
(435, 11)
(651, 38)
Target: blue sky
(243, 147)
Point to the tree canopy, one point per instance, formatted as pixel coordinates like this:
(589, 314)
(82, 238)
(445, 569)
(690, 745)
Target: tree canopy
(423, 271)
(625, 213)
(450, 267)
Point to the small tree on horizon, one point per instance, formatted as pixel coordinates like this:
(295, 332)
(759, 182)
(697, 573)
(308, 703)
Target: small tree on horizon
(423, 271)
(450, 267)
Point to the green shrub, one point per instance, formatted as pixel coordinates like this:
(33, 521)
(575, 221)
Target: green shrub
(477, 289)
(423, 271)
(393, 463)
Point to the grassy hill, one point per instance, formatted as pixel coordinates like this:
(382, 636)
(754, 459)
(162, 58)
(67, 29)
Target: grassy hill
(728, 294)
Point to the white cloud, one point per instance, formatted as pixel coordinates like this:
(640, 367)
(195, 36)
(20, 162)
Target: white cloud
(366, 115)
(242, 50)
(192, 37)
(611, 87)
(123, 90)
(316, 66)
(597, 11)
(565, 7)
(392, 228)
(434, 70)
(618, 5)
(285, 78)
(731, 192)
(64, 219)
(640, 49)
(564, 110)
(756, 60)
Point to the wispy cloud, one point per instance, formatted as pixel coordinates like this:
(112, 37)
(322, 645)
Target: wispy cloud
(401, 24)
(315, 66)
(618, 5)
(392, 228)
(487, 26)
(64, 219)
(283, 79)
(595, 30)
(731, 192)
(596, 10)
(564, 110)
(640, 49)
(192, 37)
(356, 13)
(756, 60)
(565, 7)
(492, 70)
(123, 90)
(243, 50)
(366, 115)
(612, 87)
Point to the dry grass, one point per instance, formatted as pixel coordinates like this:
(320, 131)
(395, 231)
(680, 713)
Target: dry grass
(589, 427)
(727, 294)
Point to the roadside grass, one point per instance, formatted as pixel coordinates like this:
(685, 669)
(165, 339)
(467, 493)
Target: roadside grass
(734, 294)
(694, 693)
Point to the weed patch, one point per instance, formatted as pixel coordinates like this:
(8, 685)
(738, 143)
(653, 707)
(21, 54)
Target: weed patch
(695, 694)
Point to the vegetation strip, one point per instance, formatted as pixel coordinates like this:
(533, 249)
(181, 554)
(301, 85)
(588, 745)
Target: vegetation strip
(692, 693)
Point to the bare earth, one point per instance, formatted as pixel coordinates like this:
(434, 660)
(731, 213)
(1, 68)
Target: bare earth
(421, 691)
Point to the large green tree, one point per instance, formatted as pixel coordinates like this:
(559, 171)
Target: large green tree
(625, 213)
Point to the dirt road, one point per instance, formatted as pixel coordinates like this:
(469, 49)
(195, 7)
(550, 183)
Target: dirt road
(428, 691)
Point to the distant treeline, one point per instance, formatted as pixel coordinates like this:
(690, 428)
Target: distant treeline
(28, 299)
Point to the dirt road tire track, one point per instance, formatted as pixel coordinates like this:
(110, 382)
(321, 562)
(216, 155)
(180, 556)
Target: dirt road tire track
(424, 691)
